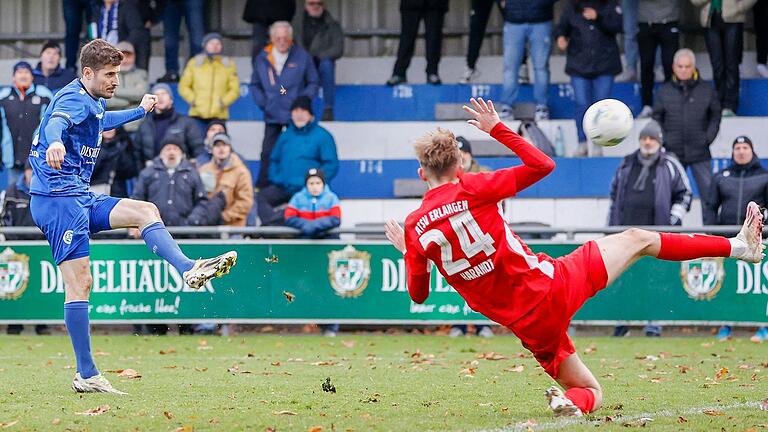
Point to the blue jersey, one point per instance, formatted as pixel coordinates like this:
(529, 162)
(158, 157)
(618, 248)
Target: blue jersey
(86, 118)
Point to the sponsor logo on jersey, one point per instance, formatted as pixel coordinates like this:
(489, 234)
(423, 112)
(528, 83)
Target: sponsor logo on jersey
(349, 271)
(68, 234)
(89, 152)
(702, 278)
(14, 274)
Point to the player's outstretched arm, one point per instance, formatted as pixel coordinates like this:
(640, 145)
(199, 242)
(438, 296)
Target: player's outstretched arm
(115, 119)
(536, 164)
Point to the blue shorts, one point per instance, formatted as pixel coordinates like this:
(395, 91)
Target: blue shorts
(68, 221)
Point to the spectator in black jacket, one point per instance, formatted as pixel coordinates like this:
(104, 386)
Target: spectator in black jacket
(14, 211)
(123, 21)
(649, 188)
(587, 32)
(688, 111)
(165, 123)
(48, 72)
(744, 181)
(115, 165)
(262, 14)
(316, 31)
(22, 105)
(411, 14)
(175, 187)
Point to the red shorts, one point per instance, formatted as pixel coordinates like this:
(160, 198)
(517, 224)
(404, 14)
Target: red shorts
(544, 330)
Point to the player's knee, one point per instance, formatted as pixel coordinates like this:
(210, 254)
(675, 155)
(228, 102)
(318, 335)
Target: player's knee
(150, 212)
(82, 287)
(640, 236)
(598, 392)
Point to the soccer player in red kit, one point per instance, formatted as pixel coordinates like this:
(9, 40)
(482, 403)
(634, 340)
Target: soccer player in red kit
(459, 227)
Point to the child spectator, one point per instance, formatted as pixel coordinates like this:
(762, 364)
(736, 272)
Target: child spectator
(314, 209)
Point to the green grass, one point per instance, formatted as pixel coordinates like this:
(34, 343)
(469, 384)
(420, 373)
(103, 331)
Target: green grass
(398, 383)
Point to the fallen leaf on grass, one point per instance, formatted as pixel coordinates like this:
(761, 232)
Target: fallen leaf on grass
(185, 428)
(713, 412)
(290, 413)
(126, 373)
(324, 363)
(235, 369)
(348, 343)
(170, 367)
(328, 387)
(168, 414)
(56, 422)
(641, 422)
(199, 369)
(270, 429)
(682, 420)
(591, 349)
(289, 296)
(721, 373)
(468, 372)
(764, 404)
(491, 356)
(4, 425)
(95, 411)
(100, 354)
(315, 429)
(684, 369)
(708, 344)
(168, 351)
(514, 368)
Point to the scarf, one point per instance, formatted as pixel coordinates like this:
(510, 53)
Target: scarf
(108, 24)
(646, 162)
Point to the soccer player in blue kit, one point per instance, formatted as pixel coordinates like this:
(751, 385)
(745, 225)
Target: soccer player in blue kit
(62, 156)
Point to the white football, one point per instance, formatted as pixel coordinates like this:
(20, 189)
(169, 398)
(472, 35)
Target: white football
(607, 122)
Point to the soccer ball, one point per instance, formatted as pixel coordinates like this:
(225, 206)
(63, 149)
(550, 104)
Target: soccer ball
(607, 122)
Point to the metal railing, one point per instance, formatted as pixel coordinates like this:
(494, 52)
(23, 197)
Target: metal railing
(225, 232)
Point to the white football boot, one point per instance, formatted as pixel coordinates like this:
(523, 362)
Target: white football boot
(94, 384)
(560, 405)
(751, 234)
(207, 269)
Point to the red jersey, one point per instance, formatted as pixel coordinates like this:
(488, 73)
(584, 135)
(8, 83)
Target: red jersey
(460, 228)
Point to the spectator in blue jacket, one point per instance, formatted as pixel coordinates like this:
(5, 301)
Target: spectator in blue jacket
(282, 72)
(314, 209)
(49, 72)
(304, 145)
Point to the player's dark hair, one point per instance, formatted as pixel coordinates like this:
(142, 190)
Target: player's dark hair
(438, 151)
(98, 54)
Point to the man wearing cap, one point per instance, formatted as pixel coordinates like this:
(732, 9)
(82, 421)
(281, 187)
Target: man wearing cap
(22, 105)
(743, 181)
(227, 173)
(304, 145)
(649, 188)
(209, 83)
(165, 123)
(282, 72)
(48, 72)
(468, 162)
(134, 83)
(215, 127)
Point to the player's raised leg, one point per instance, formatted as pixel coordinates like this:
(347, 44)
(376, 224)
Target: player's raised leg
(77, 288)
(619, 251)
(145, 216)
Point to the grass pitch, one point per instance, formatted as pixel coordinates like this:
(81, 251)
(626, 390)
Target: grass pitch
(381, 382)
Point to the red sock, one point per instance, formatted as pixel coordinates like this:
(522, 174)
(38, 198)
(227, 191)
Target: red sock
(682, 247)
(582, 398)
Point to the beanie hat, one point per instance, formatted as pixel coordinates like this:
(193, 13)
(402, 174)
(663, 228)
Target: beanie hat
(22, 65)
(217, 122)
(464, 144)
(209, 37)
(743, 139)
(302, 102)
(164, 87)
(51, 44)
(652, 129)
(314, 172)
(172, 141)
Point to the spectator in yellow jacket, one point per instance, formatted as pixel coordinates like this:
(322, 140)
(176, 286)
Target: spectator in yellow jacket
(209, 82)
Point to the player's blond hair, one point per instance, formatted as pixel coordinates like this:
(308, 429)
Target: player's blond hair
(438, 152)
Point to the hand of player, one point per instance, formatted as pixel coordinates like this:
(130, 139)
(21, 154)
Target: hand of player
(562, 43)
(54, 156)
(589, 14)
(484, 113)
(395, 234)
(148, 102)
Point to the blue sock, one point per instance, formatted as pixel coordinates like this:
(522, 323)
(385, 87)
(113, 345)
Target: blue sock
(160, 242)
(79, 328)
